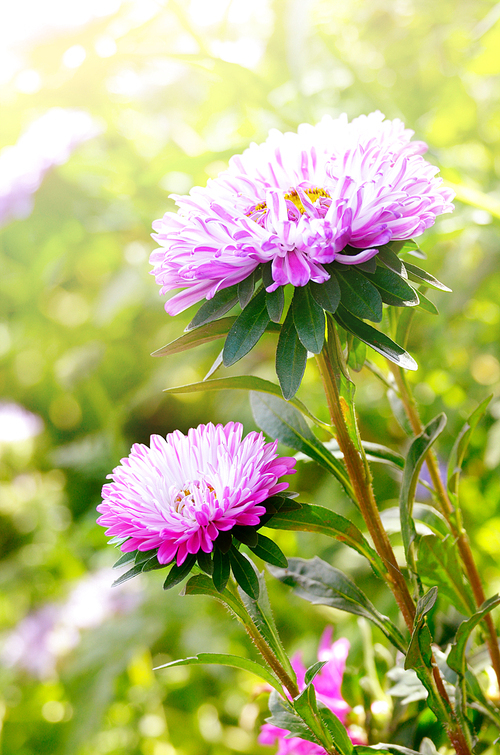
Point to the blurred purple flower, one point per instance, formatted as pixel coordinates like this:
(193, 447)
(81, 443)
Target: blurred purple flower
(179, 494)
(17, 423)
(327, 685)
(45, 635)
(297, 201)
(48, 141)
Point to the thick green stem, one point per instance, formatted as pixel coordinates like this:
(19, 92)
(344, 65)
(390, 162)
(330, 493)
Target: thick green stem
(449, 513)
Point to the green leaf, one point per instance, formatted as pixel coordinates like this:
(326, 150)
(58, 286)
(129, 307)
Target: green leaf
(374, 338)
(422, 276)
(327, 294)
(275, 301)
(280, 420)
(391, 260)
(177, 573)
(223, 659)
(422, 513)
(359, 296)
(262, 616)
(284, 717)
(291, 358)
(462, 443)
(456, 658)
(309, 320)
(201, 584)
(268, 551)
(216, 307)
(312, 671)
(247, 330)
(243, 383)
(337, 729)
(312, 518)
(244, 573)
(414, 460)
(196, 337)
(125, 558)
(246, 288)
(427, 305)
(384, 749)
(222, 570)
(438, 564)
(393, 288)
(133, 572)
(357, 354)
(322, 584)
(205, 562)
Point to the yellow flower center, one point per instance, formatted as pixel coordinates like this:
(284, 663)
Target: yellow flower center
(313, 195)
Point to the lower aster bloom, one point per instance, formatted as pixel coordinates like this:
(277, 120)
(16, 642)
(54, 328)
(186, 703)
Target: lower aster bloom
(333, 192)
(180, 493)
(327, 685)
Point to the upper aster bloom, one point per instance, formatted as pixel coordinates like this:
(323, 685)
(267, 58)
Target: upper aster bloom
(327, 685)
(180, 493)
(334, 192)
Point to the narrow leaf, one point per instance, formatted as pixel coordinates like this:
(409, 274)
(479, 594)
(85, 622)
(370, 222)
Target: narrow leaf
(359, 296)
(133, 572)
(284, 717)
(247, 330)
(391, 260)
(201, 584)
(327, 294)
(291, 358)
(275, 301)
(422, 276)
(196, 337)
(268, 551)
(357, 354)
(456, 657)
(374, 338)
(280, 420)
(216, 307)
(223, 659)
(393, 288)
(312, 518)
(177, 573)
(309, 320)
(427, 305)
(322, 584)
(438, 564)
(337, 729)
(462, 443)
(222, 570)
(433, 521)
(246, 288)
(244, 573)
(125, 558)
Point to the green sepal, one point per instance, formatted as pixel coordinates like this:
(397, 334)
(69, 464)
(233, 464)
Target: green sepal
(205, 562)
(222, 569)
(247, 330)
(291, 358)
(418, 275)
(177, 573)
(393, 288)
(244, 573)
(133, 572)
(125, 558)
(309, 320)
(275, 301)
(246, 535)
(246, 288)
(327, 294)
(224, 541)
(216, 307)
(390, 259)
(359, 297)
(268, 551)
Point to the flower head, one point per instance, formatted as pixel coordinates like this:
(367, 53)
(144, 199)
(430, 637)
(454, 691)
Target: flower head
(327, 685)
(177, 496)
(334, 192)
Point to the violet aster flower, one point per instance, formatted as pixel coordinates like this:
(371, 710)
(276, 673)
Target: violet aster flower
(182, 495)
(327, 685)
(334, 192)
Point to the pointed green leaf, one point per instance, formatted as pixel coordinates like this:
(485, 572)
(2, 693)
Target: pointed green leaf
(196, 337)
(247, 535)
(322, 584)
(125, 558)
(357, 354)
(456, 659)
(291, 358)
(414, 460)
(426, 515)
(280, 420)
(284, 717)
(222, 570)
(327, 294)
(247, 330)
(393, 288)
(216, 307)
(359, 296)
(438, 564)
(178, 573)
(427, 305)
(391, 260)
(374, 338)
(205, 562)
(309, 320)
(422, 276)
(462, 443)
(246, 288)
(384, 749)
(223, 659)
(275, 301)
(312, 671)
(201, 584)
(312, 518)
(133, 572)
(244, 573)
(337, 729)
(268, 551)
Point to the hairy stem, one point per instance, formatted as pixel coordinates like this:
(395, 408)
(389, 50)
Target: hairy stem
(449, 513)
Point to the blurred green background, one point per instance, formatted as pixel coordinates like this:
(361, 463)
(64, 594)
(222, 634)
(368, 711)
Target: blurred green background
(174, 89)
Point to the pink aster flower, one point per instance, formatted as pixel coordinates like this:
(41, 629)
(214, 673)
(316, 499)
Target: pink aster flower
(331, 192)
(180, 493)
(327, 685)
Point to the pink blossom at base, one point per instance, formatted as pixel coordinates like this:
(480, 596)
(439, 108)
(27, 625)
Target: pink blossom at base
(181, 492)
(327, 685)
(297, 201)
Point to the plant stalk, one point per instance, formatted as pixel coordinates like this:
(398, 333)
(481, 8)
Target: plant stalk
(448, 512)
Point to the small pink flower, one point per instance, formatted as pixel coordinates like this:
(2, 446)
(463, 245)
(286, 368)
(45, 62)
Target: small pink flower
(180, 493)
(327, 685)
(331, 192)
